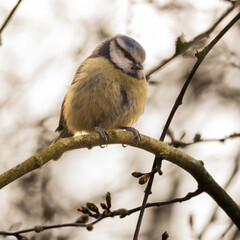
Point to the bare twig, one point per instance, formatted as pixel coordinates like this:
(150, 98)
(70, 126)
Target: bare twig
(200, 57)
(182, 144)
(37, 229)
(193, 41)
(159, 204)
(8, 19)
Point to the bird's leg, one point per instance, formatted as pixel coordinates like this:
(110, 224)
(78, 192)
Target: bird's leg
(135, 132)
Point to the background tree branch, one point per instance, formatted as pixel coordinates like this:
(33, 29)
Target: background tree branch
(8, 19)
(198, 139)
(182, 46)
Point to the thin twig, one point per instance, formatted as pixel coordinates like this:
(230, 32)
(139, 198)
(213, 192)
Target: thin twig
(182, 144)
(40, 228)
(200, 57)
(193, 41)
(8, 19)
(158, 204)
(226, 230)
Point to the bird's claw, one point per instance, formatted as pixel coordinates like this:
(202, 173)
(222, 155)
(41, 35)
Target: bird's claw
(135, 132)
(103, 134)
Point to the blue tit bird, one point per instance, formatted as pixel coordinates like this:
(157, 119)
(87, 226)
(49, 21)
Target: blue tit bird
(108, 90)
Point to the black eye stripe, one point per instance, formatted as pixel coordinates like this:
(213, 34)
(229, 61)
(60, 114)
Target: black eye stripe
(126, 54)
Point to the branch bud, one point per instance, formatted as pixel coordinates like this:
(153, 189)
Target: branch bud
(165, 236)
(181, 45)
(122, 212)
(89, 227)
(83, 218)
(83, 210)
(142, 180)
(197, 137)
(92, 207)
(137, 174)
(103, 205)
(108, 200)
(38, 228)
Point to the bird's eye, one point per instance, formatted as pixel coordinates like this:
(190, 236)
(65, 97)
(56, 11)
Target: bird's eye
(127, 55)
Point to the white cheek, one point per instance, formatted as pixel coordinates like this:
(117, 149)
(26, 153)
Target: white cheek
(120, 60)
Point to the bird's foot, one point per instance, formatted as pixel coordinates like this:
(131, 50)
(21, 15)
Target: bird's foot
(103, 134)
(135, 132)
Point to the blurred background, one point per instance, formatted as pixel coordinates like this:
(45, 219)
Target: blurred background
(43, 45)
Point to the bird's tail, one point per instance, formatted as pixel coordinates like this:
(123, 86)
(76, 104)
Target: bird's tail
(63, 133)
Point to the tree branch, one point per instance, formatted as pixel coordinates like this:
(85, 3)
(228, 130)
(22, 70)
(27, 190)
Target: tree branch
(196, 168)
(83, 141)
(8, 19)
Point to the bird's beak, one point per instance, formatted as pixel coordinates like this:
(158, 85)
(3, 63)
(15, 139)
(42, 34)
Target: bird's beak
(139, 66)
